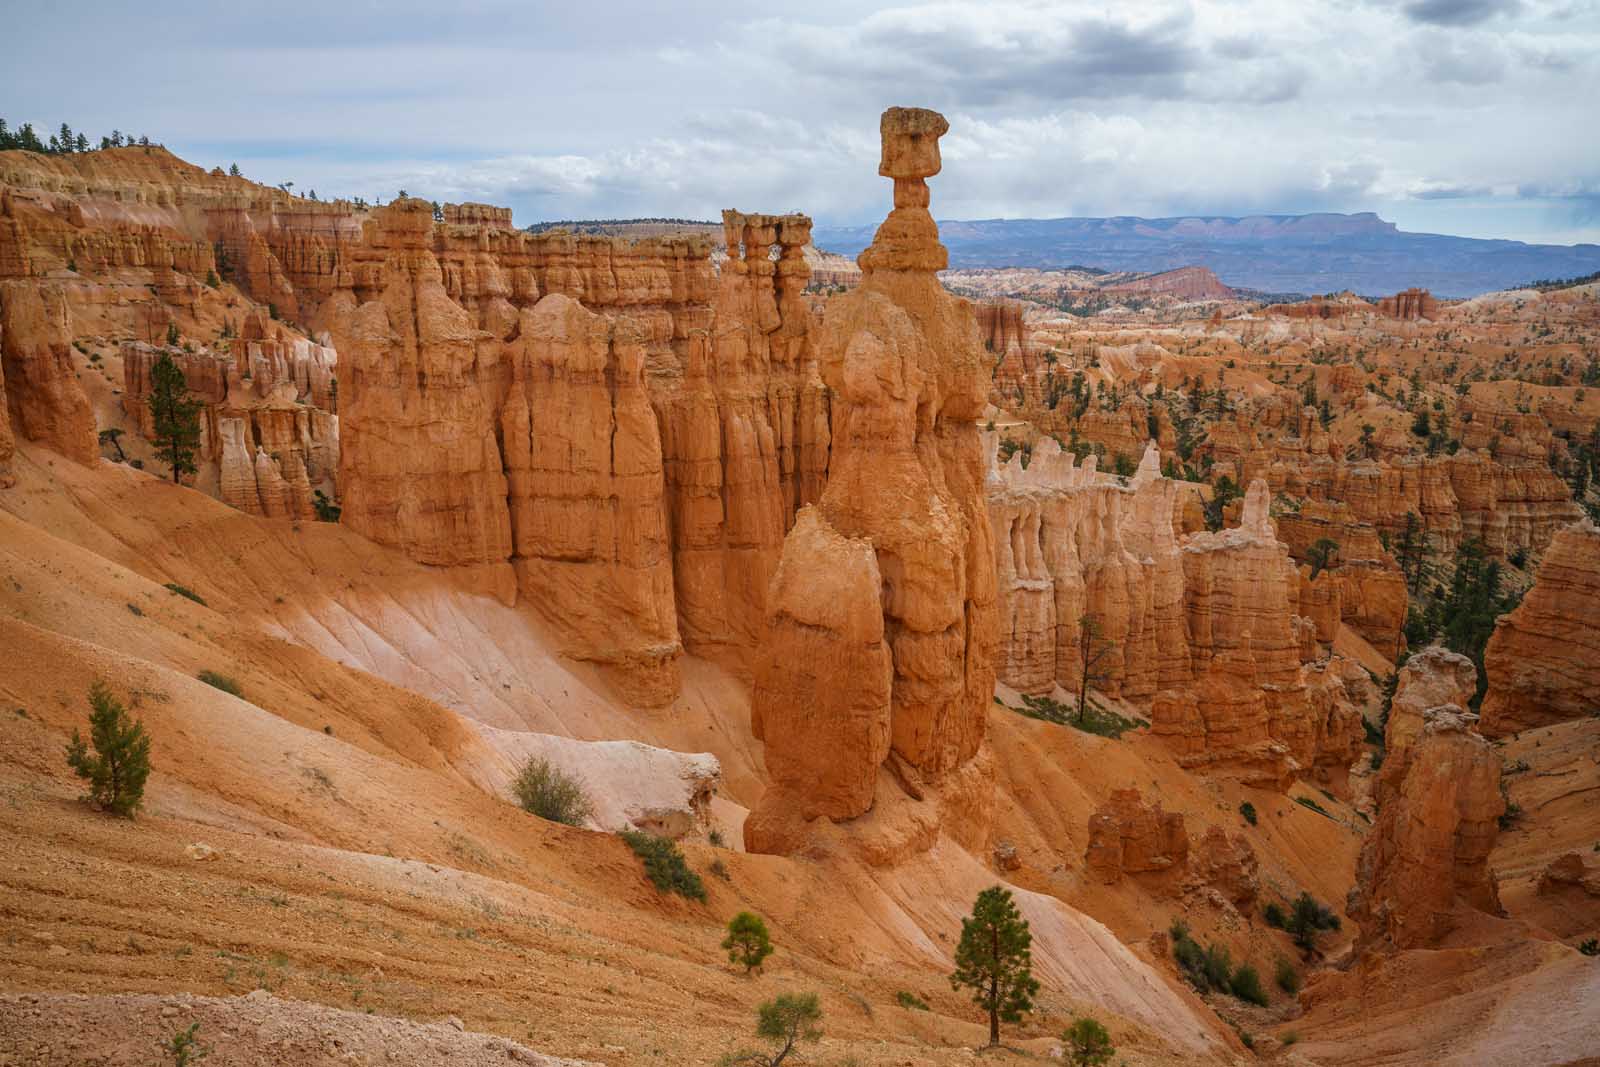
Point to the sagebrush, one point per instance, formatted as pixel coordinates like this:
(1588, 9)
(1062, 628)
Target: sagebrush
(545, 790)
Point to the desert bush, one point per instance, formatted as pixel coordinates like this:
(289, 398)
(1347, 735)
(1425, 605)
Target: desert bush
(1287, 977)
(1095, 719)
(185, 592)
(907, 999)
(120, 763)
(1218, 966)
(545, 790)
(1246, 985)
(185, 1048)
(1087, 1043)
(1290, 1039)
(1248, 810)
(223, 682)
(1307, 802)
(1205, 968)
(664, 865)
(1590, 947)
(327, 510)
(1274, 916)
(747, 942)
(1307, 918)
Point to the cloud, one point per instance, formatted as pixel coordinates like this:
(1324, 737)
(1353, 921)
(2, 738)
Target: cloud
(1459, 12)
(1461, 63)
(1153, 107)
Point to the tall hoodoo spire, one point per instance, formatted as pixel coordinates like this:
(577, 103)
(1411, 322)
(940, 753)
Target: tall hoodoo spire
(878, 662)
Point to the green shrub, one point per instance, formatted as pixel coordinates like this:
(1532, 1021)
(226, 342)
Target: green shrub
(1287, 977)
(1218, 966)
(910, 1000)
(664, 865)
(1273, 914)
(327, 510)
(1096, 720)
(1248, 810)
(1290, 1039)
(1307, 802)
(183, 592)
(747, 942)
(1088, 1044)
(185, 1048)
(1591, 947)
(1509, 817)
(1246, 985)
(222, 682)
(543, 789)
(715, 838)
(1307, 919)
(117, 770)
(1191, 960)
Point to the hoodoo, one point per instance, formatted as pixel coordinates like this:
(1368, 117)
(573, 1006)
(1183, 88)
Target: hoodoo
(881, 630)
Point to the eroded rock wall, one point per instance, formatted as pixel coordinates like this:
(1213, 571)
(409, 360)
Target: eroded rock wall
(1426, 859)
(1543, 660)
(44, 400)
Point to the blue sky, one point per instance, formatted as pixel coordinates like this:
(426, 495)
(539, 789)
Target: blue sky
(1474, 117)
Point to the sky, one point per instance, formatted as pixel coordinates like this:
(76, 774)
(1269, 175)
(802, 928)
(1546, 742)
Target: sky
(1471, 117)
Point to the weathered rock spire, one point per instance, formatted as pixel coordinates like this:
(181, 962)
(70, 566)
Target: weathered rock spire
(879, 650)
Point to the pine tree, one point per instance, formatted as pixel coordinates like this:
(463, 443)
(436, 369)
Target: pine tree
(747, 942)
(788, 1020)
(1087, 1042)
(176, 416)
(82, 143)
(1093, 648)
(1411, 552)
(117, 770)
(235, 172)
(994, 959)
(1320, 554)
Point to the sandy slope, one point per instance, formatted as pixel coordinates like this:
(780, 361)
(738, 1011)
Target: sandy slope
(359, 861)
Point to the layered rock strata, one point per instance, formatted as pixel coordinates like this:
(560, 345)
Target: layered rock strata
(44, 400)
(1073, 544)
(1543, 660)
(1433, 678)
(884, 654)
(266, 417)
(1426, 859)
(601, 426)
(1129, 837)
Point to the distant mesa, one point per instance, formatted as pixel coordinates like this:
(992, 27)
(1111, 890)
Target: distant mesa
(1316, 253)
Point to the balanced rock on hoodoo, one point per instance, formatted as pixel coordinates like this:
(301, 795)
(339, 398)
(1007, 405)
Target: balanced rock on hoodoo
(880, 644)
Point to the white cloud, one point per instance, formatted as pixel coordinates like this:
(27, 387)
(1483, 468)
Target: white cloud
(1153, 107)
